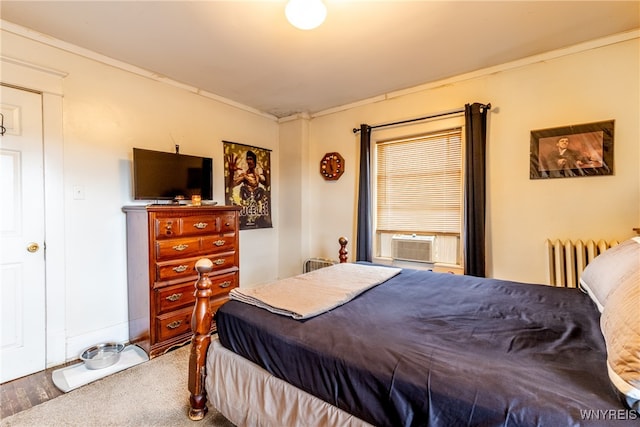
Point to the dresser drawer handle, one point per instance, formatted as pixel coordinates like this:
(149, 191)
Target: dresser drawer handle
(225, 284)
(180, 247)
(219, 242)
(219, 261)
(174, 324)
(180, 268)
(174, 297)
(200, 225)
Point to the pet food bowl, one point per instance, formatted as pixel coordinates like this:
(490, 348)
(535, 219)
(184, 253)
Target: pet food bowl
(101, 355)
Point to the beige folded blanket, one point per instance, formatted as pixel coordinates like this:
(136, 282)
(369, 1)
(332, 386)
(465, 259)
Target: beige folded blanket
(310, 294)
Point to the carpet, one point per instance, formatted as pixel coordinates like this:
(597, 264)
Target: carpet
(153, 393)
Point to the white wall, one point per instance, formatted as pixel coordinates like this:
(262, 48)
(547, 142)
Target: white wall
(107, 112)
(294, 197)
(593, 82)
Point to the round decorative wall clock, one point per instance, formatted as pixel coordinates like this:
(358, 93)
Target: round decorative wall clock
(332, 166)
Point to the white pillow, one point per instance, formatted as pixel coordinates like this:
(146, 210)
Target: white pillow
(620, 324)
(609, 269)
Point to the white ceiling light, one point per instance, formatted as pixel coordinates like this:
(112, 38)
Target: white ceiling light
(305, 14)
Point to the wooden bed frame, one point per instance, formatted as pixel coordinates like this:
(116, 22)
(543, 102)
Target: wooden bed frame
(201, 327)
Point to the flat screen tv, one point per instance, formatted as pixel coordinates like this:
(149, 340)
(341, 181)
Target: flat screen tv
(159, 175)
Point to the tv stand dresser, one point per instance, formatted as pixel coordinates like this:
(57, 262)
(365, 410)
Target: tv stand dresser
(163, 244)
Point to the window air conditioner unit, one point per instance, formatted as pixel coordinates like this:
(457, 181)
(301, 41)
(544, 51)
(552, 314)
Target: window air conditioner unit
(409, 247)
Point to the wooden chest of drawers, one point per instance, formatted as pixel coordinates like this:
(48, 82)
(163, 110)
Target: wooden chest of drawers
(163, 244)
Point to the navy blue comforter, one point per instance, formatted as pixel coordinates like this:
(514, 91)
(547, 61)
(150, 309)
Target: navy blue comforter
(431, 349)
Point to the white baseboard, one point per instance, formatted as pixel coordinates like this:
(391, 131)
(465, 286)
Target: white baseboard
(55, 348)
(76, 345)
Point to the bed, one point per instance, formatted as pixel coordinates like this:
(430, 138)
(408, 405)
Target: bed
(428, 349)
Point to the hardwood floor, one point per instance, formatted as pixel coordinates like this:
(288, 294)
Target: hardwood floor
(26, 392)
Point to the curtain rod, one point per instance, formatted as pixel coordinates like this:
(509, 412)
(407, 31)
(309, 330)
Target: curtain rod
(432, 116)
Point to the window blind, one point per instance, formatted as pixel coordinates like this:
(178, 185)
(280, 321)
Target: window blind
(419, 183)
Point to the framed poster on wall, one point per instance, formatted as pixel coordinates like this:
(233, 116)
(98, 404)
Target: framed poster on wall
(569, 151)
(247, 177)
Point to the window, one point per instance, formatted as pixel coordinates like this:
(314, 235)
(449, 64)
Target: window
(419, 191)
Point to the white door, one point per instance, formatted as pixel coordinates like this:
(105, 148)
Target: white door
(22, 262)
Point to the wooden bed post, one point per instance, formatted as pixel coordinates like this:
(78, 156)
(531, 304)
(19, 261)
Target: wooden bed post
(343, 249)
(201, 327)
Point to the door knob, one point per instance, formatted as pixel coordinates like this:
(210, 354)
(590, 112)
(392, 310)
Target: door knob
(33, 247)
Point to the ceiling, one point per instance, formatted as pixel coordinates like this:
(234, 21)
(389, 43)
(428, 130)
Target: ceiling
(246, 52)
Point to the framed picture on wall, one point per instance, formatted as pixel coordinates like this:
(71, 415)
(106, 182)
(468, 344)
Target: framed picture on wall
(247, 172)
(571, 151)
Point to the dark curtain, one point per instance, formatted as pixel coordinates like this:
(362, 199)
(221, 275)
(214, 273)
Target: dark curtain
(364, 248)
(475, 189)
